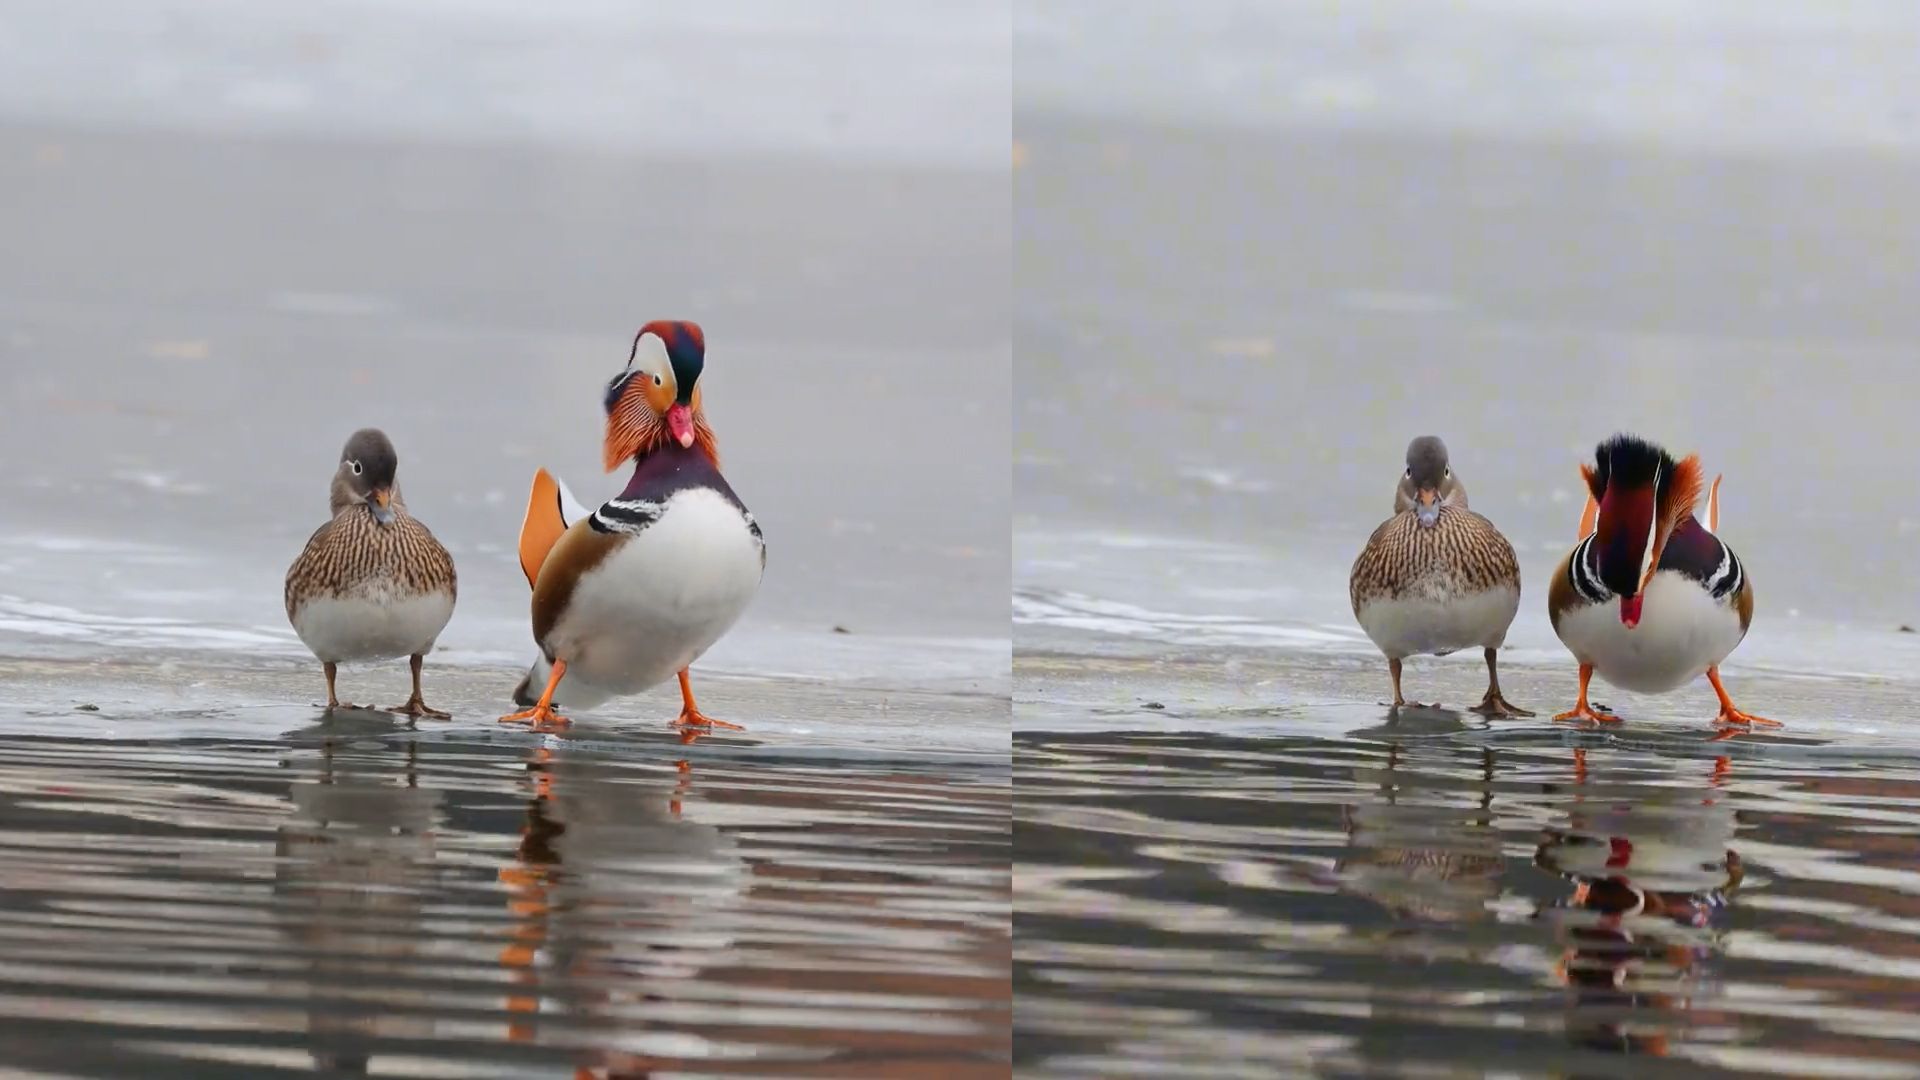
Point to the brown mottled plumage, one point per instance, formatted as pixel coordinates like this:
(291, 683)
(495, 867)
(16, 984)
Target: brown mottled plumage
(373, 582)
(355, 555)
(1461, 553)
(1396, 857)
(1436, 576)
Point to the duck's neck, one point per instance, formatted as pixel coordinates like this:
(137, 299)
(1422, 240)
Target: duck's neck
(651, 467)
(339, 496)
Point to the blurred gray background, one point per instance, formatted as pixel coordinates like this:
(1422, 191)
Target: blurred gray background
(236, 231)
(1260, 246)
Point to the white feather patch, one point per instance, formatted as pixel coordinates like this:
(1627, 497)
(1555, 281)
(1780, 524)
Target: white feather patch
(375, 624)
(570, 508)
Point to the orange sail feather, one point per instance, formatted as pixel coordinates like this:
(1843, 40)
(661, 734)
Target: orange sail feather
(545, 523)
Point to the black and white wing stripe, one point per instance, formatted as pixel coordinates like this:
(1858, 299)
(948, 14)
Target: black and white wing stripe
(628, 516)
(1726, 578)
(1703, 557)
(1581, 575)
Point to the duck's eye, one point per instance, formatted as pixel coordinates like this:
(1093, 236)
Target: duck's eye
(1409, 472)
(657, 380)
(1446, 474)
(355, 466)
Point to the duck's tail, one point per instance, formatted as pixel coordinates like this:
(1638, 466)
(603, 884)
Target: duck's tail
(525, 695)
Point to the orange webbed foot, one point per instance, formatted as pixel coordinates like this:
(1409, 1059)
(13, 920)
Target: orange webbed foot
(540, 717)
(1581, 710)
(1732, 721)
(1745, 719)
(1588, 713)
(694, 718)
(693, 723)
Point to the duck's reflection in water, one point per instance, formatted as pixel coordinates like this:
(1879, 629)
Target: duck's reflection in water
(1653, 877)
(356, 863)
(1426, 847)
(619, 899)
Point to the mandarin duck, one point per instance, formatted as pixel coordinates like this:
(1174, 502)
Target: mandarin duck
(1650, 598)
(372, 583)
(1437, 577)
(628, 595)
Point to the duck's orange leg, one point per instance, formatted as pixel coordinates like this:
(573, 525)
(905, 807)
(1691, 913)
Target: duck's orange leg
(542, 714)
(1730, 716)
(1583, 711)
(690, 714)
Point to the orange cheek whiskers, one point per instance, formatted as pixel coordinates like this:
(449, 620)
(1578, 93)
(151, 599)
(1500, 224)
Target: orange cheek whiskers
(634, 430)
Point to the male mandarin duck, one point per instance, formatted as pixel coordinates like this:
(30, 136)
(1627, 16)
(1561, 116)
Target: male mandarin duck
(636, 591)
(372, 583)
(1650, 598)
(1436, 577)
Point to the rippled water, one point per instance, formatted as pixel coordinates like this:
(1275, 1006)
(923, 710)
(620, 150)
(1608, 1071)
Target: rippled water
(1424, 897)
(359, 896)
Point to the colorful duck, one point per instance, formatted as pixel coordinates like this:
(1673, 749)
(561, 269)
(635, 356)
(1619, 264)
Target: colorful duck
(634, 592)
(1650, 598)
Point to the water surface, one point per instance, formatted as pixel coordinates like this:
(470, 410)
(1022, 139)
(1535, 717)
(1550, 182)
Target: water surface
(1426, 896)
(356, 895)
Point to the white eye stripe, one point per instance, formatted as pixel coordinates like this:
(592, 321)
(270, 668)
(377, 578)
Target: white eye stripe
(650, 356)
(1653, 528)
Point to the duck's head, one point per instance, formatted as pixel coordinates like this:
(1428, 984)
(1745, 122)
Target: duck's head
(1643, 493)
(365, 475)
(655, 399)
(1429, 483)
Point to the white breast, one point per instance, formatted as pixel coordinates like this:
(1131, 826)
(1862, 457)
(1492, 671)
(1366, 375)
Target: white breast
(374, 623)
(1683, 631)
(659, 601)
(1415, 624)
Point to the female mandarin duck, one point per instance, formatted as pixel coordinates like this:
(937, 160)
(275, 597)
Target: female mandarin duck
(632, 593)
(1650, 598)
(372, 583)
(1436, 577)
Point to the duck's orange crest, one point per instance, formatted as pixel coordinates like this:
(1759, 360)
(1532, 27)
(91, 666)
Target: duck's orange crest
(1590, 514)
(1682, 493)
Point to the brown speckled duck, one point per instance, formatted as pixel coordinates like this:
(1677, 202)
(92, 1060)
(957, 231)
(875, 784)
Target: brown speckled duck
(1436, 577)
(372, 583)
